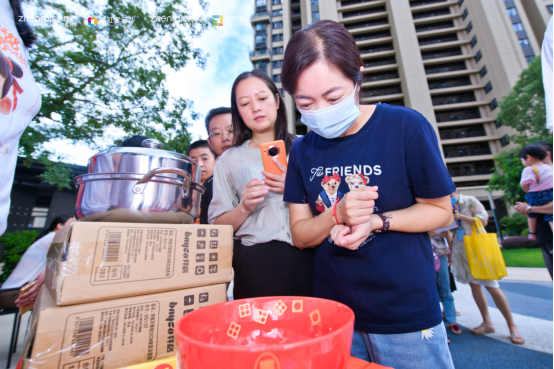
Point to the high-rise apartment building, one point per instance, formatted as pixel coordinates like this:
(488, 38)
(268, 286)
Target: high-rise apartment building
(451, 60)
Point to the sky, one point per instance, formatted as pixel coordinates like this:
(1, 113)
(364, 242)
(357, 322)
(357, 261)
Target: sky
(227, 46)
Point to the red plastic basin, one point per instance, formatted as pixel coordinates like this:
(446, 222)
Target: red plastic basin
(266, 333)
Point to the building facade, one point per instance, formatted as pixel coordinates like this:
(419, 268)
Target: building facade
(451, 60)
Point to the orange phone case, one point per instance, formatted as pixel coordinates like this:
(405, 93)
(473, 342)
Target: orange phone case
(269, 165)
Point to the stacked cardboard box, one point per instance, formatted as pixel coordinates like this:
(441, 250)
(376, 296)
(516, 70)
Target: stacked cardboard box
(114, 292)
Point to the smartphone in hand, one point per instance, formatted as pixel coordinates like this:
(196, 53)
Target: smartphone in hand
(270, 150)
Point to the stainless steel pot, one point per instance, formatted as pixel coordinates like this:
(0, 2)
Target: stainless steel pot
(139, 185)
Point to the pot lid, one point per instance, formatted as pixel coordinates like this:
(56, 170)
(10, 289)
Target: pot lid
(151, 147)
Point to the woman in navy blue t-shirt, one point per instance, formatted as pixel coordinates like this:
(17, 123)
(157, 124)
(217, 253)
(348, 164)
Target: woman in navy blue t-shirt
(364, 186)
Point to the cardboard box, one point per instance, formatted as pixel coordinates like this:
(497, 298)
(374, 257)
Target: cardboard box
(98, 261)
(110, 334)
(169, 363)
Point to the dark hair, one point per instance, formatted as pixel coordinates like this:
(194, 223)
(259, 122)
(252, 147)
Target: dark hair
(214, 113)
(534, 150)
(327, 41)
(134, 141)
(547, 146)
(23, 28)
(62, 219)
(199, 144)
(241, 131)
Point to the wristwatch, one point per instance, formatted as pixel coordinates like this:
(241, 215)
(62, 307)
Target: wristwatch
(528, 208)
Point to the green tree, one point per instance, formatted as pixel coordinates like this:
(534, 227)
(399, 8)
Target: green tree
(524, 110)
(97, 79)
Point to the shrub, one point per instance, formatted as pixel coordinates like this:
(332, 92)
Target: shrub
(514, 225)
(15, 245)
(519, 243)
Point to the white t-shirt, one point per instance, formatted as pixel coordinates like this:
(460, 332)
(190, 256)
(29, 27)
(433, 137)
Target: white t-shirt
(19, 103)
(31, 264)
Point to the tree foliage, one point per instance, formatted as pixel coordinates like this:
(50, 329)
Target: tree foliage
(524, 110)
(15, 245)
(110, 77)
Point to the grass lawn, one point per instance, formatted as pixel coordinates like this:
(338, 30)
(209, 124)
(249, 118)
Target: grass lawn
(531, 258)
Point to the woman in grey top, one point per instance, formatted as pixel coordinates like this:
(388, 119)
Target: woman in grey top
(251, 200)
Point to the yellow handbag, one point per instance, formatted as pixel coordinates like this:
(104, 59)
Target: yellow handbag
(483, 254)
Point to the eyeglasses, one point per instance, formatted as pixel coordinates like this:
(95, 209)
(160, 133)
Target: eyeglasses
(219, 134)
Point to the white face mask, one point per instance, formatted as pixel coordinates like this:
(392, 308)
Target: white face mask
(334, 120)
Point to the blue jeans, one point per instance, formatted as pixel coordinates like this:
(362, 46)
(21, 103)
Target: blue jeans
(419, 350)
(448, 303)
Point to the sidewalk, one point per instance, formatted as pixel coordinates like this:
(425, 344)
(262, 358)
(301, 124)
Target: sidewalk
(527, 275)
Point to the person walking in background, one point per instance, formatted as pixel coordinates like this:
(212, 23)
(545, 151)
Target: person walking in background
(220, 137)
(32, 265)
(465, 209)
(268, 264)
(536, 180)
(441, 245)
(20, 98)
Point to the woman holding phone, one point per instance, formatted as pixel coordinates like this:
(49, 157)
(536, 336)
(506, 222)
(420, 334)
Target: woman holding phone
(384, 186)
(251, 199)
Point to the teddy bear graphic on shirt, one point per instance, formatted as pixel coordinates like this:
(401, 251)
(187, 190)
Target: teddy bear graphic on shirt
(356, 181)
(330, 193)
(9, 71)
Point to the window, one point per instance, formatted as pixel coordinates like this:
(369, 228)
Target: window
(261, 5)
(276, 2)
(275, 25)
(277, 13)
(276, 78)
(277, 50)
(277, 64)
(512, 12)
(517, 27)
(469, 27)
(260, 65)
(478, 56)
(473, 41)
(315, 16)
(261, 40)
(498, 123)
(465, 13)
(488, 87)
(460, 2)
(524, 42)
(504, 140)
(282, 92)
(483, 71)
(493, 104)
(549, 7)
(261, 26)
(278, 37)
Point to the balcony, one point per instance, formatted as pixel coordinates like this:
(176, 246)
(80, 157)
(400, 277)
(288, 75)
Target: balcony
(381, 91)
(376, 48)
(459, 114)
(356, 13)
(462, 132)
(259, 52)
(431, 13)
(371, 35)
(467, 150)
(449, 82)
(445, 67)
(425, 2)
(441, 53)
(453, 99)
(354, 2)
(295, 3)
(379, 61)
(366, 23)
(434, 26)
(380, 76)
(296, 24)
(438, 39)
(471, 169)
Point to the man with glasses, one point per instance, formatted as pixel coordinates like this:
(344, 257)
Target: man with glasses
(220, 132)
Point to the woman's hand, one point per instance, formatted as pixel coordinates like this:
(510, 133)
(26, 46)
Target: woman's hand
(521, 207)
(275, 182)
(352, 237)
(29, 297)
(251, 195)
(357, 206)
